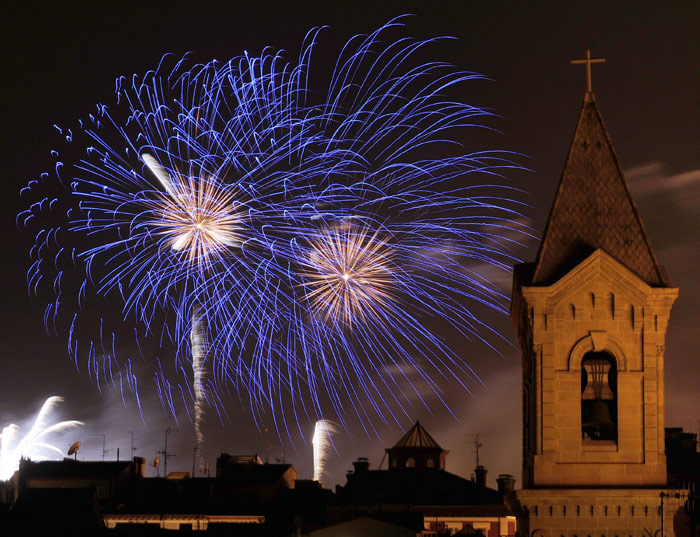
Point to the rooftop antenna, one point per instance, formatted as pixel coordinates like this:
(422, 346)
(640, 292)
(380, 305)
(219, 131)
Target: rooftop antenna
(477, 445)
(166, 454)
(104, 444)
(133, 449)
(73, 449)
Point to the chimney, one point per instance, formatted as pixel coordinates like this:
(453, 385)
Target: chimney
(139, 467)
(506, 485)
(480, 472)
(361, 465)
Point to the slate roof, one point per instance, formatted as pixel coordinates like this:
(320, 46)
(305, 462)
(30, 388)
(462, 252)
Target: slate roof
(417, 437)
(593, 208)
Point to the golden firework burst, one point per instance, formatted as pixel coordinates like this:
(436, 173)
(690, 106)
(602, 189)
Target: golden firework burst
(349, 274)
(197, 214)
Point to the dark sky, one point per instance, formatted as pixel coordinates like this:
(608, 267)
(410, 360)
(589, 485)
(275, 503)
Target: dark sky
(59, 60)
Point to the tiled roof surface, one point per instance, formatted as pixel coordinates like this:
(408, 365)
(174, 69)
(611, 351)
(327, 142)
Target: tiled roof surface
(417, 436)
(593, 208)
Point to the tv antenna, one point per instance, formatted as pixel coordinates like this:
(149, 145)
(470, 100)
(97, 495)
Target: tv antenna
(477, 445)
(104, 444)
(166, 454)
(74, 448)
(133, 448)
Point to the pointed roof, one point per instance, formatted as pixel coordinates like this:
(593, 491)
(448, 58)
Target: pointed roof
(593, 208)
(417, 437)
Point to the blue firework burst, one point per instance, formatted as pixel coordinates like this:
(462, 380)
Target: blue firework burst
(309, 228)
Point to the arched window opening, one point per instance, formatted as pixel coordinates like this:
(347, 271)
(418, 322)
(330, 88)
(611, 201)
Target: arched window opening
(430, 463)
(410, 463)
(598, 397)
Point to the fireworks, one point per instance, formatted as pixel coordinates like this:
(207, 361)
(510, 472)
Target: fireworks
(195, 216)
(322, 446)
(34, 443)
(293, 235)
(349, 275)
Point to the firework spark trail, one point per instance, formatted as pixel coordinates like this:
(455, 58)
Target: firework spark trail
(198, 356)
(322, 447)
(33, 444)
(316, 234)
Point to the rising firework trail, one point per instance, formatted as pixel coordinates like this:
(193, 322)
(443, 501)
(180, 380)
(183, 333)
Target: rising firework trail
(312, 238)
(197, 218)
(322, 447)
(198, 356)
(34, 444)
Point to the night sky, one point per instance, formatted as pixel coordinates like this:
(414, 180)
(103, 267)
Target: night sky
(58, 61)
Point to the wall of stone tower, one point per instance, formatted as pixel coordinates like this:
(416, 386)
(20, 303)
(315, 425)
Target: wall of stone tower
(598, 306)
(600, 512)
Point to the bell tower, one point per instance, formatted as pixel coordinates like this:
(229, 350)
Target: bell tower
(591, 314)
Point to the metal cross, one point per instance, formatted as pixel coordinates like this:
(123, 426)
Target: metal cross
(588, 61)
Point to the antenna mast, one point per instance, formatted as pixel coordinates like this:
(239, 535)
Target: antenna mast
(477, 445)
(166, 454)
(133, 449)
(104, 444)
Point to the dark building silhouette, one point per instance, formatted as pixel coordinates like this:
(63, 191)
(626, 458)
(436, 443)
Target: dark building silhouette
(414, 496)
(416, 449)
(73, 512)
(683, 463)
(416, 482)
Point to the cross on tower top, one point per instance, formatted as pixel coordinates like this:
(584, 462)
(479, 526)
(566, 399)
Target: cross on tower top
(588, 61)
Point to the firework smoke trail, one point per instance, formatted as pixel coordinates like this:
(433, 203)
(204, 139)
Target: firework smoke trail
(33, 444)
(322, 447)
(198, 356)
(315, 225)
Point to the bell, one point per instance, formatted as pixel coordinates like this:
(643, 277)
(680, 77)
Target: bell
(597, 386)
(600, 415)
(599, 425)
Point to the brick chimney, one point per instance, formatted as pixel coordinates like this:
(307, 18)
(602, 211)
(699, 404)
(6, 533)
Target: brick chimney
(480, 473)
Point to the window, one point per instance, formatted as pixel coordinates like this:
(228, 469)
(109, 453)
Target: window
(410, 463)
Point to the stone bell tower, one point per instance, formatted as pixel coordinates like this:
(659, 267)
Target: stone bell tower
(591, 314)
